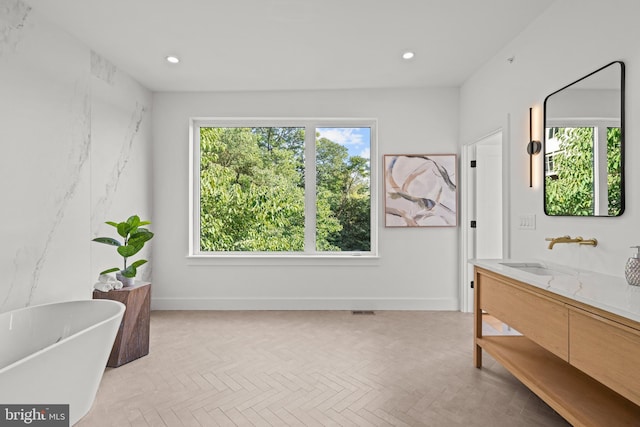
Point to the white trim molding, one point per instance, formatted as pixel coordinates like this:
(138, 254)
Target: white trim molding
(436, 304)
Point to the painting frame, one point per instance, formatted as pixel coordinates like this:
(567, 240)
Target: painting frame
(420, 190)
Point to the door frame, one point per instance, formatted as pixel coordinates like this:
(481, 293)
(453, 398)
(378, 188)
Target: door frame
(467, 199)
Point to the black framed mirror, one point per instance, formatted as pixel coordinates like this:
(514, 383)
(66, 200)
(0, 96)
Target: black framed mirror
(584, 145)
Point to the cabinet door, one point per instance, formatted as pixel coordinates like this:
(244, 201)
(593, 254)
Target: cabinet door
(541, 319)
(606, 350)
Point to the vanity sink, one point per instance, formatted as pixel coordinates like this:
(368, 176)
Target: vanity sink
(534, 268)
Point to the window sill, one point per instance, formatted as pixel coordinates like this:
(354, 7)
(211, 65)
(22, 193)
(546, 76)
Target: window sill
(283, 260)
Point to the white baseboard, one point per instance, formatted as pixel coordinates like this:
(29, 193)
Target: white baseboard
(435, 304)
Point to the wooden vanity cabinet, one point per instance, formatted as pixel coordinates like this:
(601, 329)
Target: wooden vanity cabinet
(584, 362)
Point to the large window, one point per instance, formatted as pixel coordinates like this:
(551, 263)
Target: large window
(282, 187)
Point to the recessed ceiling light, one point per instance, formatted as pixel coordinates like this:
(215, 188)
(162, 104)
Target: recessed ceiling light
(173, 59)
(408, 55)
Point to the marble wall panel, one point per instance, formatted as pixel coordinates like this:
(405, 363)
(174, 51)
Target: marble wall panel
(47, 133)
(120, 167)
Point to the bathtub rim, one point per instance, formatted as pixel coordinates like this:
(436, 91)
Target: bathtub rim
(25, 359)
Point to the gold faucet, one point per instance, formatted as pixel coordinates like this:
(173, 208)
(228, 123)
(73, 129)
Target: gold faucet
(567, 239)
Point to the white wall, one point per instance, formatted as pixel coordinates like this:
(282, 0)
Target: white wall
(417, 268)
(75, 138)
(571, 39)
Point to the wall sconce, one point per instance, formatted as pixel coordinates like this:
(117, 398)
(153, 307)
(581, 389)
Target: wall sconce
(533, 147)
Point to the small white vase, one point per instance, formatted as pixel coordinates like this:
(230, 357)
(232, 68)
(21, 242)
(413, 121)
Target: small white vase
(126, 281)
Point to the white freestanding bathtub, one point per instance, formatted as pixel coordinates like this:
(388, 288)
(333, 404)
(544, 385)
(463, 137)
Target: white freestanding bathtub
(56, 353)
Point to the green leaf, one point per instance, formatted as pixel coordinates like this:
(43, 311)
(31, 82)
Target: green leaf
(129, 271)
(144, 223)
(133, 221)
(111, 270)
(114, 224)
(138, 263)
(129, 250)
(123, 229)
(107, 241)
(140, 236)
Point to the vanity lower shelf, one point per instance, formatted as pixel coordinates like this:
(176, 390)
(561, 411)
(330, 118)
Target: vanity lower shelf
(576, 396)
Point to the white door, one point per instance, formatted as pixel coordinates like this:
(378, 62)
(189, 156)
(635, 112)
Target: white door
(489, 197)
(483, 213)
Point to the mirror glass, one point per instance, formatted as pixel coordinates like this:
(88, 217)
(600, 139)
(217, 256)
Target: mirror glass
(584, 145)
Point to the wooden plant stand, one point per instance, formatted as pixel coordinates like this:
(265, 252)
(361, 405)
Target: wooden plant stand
(132, 341)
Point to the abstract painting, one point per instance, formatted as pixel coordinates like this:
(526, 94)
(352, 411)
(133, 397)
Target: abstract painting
(420, 190)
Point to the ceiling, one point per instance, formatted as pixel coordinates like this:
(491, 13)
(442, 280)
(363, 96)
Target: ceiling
(245, 45)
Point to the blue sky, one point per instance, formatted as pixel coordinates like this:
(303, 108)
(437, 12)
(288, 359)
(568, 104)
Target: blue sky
(357, 140)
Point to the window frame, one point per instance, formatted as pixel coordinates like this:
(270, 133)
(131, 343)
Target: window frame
(310, 125)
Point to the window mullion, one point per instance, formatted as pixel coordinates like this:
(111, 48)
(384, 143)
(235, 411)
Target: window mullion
(310, 189)
(600, 173)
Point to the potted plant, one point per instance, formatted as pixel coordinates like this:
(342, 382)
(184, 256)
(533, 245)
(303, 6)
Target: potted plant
(135, 236)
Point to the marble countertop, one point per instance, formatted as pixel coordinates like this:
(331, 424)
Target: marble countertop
(602, 291)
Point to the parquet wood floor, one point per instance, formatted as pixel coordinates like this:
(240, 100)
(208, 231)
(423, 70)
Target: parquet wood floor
(313, 368)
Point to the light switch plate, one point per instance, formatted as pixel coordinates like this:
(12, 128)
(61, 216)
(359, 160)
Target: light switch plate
(527, 222)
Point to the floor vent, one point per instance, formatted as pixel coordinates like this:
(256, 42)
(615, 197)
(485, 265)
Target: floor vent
(360, 312)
